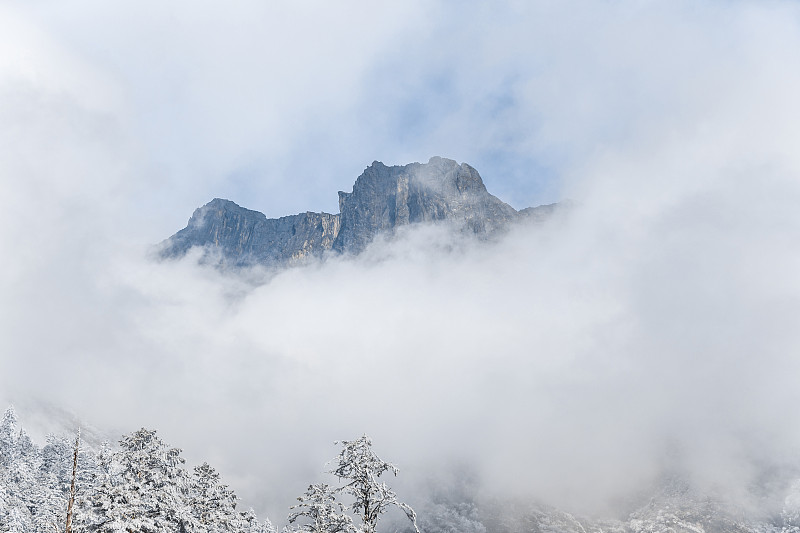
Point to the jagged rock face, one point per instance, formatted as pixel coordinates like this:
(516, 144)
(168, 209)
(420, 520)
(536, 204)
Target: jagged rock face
(540, 213)
(383, 199)
(243, 236)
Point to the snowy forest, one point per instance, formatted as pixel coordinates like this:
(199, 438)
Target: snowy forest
(144, 486)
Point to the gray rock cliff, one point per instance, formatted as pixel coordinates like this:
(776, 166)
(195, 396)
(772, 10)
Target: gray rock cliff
(240, 236)
(383, 199)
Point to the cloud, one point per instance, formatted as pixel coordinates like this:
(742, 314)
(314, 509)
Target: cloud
(656, 320)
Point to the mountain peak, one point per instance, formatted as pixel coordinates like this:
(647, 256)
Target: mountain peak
(222, 202)
(383, 199)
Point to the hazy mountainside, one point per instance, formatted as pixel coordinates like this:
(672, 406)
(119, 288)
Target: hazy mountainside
(671, 507)
(383, 199)
(142, 484)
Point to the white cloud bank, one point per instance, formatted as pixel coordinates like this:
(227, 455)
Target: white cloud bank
(659, 319)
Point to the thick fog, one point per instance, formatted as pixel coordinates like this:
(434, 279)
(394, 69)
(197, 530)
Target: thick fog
(654, 326)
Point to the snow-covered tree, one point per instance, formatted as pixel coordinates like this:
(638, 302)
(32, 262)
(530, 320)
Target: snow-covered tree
(360, 467)
(8, 436)
(53, 480)
(247, 522)
(18, 464)
(28, 497)
(16, 520)
(102, 467)
(142, 488)
(319, 512)
(147, 497)
(212, 503)
(87, 478)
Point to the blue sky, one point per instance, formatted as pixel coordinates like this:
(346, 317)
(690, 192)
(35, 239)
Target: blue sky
(278, 106)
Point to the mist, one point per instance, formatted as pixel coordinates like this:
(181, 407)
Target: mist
(650, 327)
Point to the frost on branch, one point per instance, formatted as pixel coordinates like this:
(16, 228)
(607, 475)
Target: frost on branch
(360, 467)
(321, 513)
(146, 494)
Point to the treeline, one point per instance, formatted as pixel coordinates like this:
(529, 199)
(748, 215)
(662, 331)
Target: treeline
(144, 486)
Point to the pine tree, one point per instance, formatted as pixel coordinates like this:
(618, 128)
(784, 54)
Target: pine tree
(52, 485)
(19, 461)
(212, 503)
(8, 436)
(147, 496)
(23, 480)
(87, 480)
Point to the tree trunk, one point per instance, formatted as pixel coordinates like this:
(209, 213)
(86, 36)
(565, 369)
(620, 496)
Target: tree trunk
(72, 485)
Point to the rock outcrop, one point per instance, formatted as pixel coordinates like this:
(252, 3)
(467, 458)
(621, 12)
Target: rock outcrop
(383, 199)
(239, 236)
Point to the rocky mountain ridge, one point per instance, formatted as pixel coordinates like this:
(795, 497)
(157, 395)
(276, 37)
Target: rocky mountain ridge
(383, 199)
